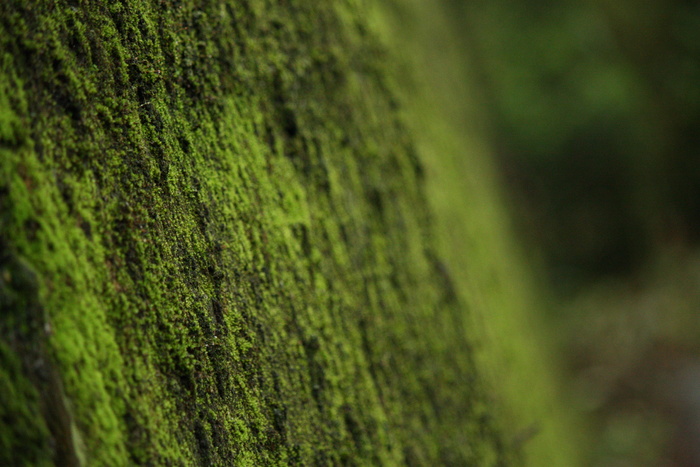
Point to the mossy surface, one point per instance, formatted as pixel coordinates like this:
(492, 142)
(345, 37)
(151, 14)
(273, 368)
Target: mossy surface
(513, 346)
(216, 246)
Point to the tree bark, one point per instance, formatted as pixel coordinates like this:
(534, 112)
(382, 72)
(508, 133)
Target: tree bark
(215, 245)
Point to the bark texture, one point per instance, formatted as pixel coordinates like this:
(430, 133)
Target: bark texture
(215, 245)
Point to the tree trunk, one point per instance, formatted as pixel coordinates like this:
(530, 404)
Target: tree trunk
(216, 247)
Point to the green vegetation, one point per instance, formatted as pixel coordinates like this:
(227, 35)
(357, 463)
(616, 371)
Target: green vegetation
(592, 109)
(228, 235)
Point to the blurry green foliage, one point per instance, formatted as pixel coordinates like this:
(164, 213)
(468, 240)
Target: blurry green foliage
(594, 107)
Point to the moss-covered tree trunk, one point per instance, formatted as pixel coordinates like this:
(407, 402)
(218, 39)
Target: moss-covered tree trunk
(215, 246)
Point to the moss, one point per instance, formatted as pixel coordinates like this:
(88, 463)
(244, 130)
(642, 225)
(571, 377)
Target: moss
(26, 443)
(511, 343)
(232, 249)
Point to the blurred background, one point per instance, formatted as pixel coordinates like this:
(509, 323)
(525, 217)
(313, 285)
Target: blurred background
(593, 110)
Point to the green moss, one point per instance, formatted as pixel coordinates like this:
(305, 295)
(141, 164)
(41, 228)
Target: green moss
(27, 442)
(233, 250)
(511, 343)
